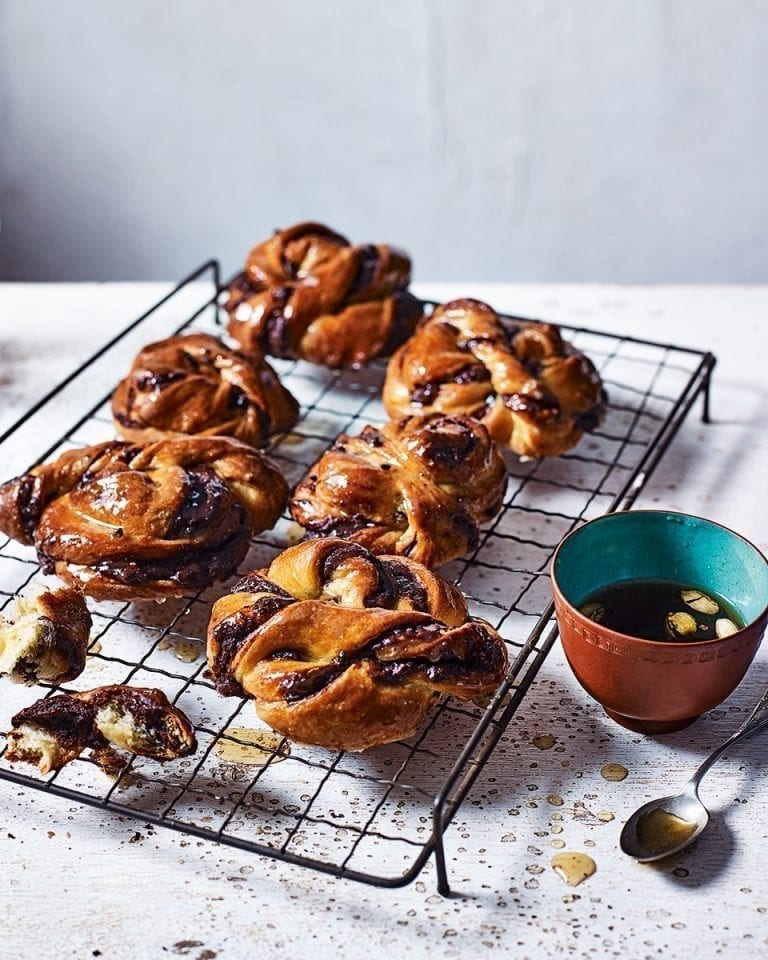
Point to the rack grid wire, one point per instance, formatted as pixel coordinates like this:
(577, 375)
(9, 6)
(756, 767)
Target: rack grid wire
(374, 817)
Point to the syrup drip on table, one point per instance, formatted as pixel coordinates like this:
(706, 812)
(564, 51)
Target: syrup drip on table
(257, 748)
(94, 664)
(185, 650)
(573, 868)
(613, 771)
(544, 741)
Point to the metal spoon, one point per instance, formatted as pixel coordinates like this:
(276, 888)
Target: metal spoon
(662, 827)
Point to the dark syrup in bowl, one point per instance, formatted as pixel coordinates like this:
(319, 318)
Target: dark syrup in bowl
(664, 610)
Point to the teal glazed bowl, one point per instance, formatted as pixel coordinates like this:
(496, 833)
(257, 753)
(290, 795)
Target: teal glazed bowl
(648, 685)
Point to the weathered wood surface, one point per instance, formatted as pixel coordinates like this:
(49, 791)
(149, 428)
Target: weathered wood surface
(78, 883)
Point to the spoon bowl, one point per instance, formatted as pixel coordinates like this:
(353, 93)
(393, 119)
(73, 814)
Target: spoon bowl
(663, 827)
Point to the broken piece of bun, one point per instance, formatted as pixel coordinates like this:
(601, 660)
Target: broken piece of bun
(56, 730)
(44, 638)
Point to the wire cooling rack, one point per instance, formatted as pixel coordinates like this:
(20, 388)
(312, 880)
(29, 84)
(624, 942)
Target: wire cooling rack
(374, 817)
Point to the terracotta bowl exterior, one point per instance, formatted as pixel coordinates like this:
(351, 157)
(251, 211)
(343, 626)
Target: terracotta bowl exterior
(647, 685)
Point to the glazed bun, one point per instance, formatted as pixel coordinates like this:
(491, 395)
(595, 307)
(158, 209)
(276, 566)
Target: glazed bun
(534, 392)
(194, 385)
(418, 487)
(346, 650)
(309, 294)
(122, 521)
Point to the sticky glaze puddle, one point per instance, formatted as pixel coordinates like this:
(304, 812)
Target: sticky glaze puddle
(573, 868)
(185, 650)
(544, 741)
(613, 772)
(258, 748)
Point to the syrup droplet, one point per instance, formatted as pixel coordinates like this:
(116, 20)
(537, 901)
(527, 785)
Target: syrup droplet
(573, 868)
(658, 831)
(95, 647)
(185, 650)
(257, 748)
(544, 741)
(613, 771)
(557, 843)
(132, 779)
(555, 799)
(605, 816)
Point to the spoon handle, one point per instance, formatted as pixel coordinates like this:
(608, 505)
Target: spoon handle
(754, 722)
(757, 719)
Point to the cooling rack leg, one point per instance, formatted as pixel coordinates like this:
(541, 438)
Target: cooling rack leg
(443, 887)
(705, 417)
(217, 280)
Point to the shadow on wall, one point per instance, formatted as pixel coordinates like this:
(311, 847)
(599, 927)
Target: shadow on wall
(544, 141)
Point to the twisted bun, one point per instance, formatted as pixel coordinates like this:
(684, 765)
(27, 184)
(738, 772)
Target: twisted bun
(195, 385)
(123, 521)
(418, 487)
(346, 650)
(308, 294)
(535, 393)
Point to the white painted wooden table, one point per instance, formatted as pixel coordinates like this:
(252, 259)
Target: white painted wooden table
(77, 883)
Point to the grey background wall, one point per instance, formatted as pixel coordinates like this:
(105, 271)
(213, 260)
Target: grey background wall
(582, 140)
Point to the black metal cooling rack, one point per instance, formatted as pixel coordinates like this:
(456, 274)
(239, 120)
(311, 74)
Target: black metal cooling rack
(374, 817)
